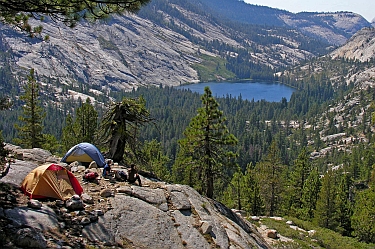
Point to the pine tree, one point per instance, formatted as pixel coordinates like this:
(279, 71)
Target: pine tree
(119, 128)
(310, 195)
(69, 136)
(326, 213)
(233, 195)
(30, 133)
(363, 216)
(203, 154)
(343, 205)
(253, 202)
(86, 122)
(298, 176)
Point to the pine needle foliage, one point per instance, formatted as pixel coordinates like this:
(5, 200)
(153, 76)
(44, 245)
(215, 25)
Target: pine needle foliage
(205, 153)
(30, 131)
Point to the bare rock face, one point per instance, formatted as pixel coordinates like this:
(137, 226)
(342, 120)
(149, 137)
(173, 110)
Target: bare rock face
(191, 221)
(359, 47)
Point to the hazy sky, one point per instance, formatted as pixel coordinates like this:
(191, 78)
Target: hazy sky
(365, 8)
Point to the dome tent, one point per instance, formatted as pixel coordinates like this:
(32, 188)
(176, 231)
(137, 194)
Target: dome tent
(51, 180)
(85, 153)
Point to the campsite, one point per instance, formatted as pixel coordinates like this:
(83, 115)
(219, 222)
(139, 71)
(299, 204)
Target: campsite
(113, 214)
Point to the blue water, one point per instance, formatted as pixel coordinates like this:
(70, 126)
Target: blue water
(272, 92)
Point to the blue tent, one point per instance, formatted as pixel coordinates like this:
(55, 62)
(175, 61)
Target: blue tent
(85, 153)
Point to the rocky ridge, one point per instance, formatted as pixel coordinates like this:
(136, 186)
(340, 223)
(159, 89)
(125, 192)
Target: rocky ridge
(117, 214)
(124, 52)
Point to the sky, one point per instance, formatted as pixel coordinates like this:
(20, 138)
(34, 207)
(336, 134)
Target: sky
(365, 8)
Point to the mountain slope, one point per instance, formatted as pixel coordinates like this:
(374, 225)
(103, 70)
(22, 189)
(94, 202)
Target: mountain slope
(334, 28)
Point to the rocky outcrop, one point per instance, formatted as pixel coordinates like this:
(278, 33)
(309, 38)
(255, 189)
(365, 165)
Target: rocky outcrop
(359, 47)
(157, 215)
(333, 28)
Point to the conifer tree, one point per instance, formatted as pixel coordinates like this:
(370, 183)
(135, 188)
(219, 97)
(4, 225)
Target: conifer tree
(298, 176)
(119, 128)
(310, 194)
(204, 154)
(326, 214)
(363, 216)
(362, 220)
(233, 195)
(69, 136)
(86, 122)
(81, 129)
(253, 202)
(30, 132)
(270, 172)
(344, 206)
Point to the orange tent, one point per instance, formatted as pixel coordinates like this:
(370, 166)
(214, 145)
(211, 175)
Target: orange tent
(51, 180)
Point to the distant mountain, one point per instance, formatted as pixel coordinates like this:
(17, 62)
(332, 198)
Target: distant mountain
(174, 42)
(334, 28)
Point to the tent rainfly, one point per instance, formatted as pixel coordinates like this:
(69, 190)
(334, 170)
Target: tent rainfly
(86, 153)
(51, 180)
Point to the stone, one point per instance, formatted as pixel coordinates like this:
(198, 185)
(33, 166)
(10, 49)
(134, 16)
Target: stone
(93, 165)
(125, 190)
(153, 196)
(206, 227)
(311, 233)
(87, 198)
(272, 233)
(289, 222)
(34, 204)
(74, 203)
(180, 201)
(30, 238)
(255, 218)
(85, 221)
(106, 193)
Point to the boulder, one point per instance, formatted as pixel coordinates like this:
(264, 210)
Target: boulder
(180, 201)
(153, 196)
(30, 238)
(272, 233)
(87, 198)
(74, 203)
(35, 204)
(206, 227)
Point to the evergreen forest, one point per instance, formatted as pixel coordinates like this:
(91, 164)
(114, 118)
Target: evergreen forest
(270, 169)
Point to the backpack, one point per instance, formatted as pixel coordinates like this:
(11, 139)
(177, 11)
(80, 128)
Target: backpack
(90, 176)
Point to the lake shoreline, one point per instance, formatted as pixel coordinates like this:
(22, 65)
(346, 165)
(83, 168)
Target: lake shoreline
(272, 91)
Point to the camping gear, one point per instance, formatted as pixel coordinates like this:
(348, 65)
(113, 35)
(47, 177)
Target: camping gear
(85, 153)
(51, 180)
(90, 176)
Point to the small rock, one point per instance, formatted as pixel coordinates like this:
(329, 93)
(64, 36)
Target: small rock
(164, 207)
(206, 227)
(99, 212)
(35, 204)
(289, 222)
(272, 233)
(87, 198)
(59, 203)
(311, 233)
(93, 165)
(255, 218)
(106, 193)
(85, 221)
(74, 203)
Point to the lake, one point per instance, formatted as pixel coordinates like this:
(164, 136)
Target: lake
(272, 92)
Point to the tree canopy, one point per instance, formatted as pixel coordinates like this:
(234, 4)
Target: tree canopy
(17, 12)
